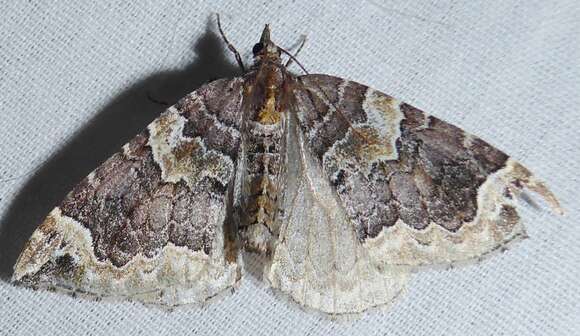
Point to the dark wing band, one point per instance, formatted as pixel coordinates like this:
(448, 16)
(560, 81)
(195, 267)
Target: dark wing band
(416, 189)
(148, 224)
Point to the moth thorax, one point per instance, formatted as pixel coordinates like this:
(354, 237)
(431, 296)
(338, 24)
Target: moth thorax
(269, 113)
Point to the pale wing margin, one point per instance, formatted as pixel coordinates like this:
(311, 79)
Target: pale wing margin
(148, 224)
(496, 226)
(417, 190)
(318, 260)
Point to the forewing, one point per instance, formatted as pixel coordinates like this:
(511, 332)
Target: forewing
(416, 189)
(148, 224)
(318, 259)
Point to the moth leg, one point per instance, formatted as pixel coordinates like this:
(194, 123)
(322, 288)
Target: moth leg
(230, 46)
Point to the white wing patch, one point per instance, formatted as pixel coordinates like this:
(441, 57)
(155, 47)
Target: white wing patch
(371, 141)
(494, 226)
(169, 147)
(176, 276)
(385, 116)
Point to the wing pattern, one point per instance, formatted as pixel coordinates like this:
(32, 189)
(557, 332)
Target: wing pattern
(346, 189)
(148, 224)
(417, 190)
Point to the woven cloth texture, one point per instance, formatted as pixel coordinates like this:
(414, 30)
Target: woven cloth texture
(77, 81)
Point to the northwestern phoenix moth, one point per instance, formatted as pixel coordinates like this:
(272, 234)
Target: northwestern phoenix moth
(345, 189)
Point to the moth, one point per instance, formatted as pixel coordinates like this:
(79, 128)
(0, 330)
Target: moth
(345, 190)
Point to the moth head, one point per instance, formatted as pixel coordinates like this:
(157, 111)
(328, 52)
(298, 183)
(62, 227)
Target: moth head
(266, 48)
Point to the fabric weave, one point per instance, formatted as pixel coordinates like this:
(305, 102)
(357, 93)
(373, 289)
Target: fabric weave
(79, 80)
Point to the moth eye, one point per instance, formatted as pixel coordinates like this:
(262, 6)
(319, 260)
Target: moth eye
(257, 48)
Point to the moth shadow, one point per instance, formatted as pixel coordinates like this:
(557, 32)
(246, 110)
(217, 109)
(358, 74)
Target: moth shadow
(124, 117)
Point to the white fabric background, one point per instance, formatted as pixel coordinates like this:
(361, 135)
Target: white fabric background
(73, 88)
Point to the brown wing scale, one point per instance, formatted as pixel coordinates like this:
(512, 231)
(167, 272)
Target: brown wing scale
(148, 224)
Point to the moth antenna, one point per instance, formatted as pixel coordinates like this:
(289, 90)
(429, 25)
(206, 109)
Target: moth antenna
(230, 46)
(302, 43)
(294, 59)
